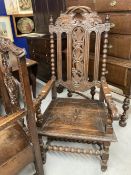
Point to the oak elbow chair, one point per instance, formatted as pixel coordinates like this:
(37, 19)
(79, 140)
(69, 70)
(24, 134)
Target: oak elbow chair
(78, 120)
(17, 149)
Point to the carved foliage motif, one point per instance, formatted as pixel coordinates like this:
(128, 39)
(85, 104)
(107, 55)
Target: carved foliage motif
(84, 86)
(87, 19)
(78, 42)
(10, 81)
(6, 45)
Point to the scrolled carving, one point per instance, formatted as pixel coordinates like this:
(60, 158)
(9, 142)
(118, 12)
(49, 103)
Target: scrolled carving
(86, 18)
(10, 82)
(12, 88)
(6, 45)
(84, 86)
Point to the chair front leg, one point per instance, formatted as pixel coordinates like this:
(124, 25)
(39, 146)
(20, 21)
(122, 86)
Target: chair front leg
(69, 94)
(39, 116)
(109, 128)
(93, 92)
(125, 107)
(42, 149)
(105, 156)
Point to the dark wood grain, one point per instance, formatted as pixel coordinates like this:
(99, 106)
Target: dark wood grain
(120, 46)
(112, 5)
(42, 11)
(121, 21)
(114, 65)
(89, 3)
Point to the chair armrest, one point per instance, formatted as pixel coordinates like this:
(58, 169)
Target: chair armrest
(109, 100)
(44, 92)
(6, 121)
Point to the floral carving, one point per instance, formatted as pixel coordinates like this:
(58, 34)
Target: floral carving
(85, 85)
(78, 42)
(6, 45)
(10, 82)
(86, 19)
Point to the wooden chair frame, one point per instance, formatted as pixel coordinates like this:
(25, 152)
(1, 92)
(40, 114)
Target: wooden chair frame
(14, 113)
(78, 23)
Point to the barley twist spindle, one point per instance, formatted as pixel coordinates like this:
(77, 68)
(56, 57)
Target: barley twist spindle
(74, 150)
(105, 49)
(52, 51)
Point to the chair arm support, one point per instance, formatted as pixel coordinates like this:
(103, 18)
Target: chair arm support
(109, 100)
(6, 121)
(44, 92)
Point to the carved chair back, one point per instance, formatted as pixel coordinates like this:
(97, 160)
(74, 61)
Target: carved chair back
(78, 23)
(9, 88)
(8, 83)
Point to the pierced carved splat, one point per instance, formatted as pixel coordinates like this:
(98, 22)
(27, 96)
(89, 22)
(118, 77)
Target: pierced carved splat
(6, 45)
(78, 23)
(10, 82)
(78, 43)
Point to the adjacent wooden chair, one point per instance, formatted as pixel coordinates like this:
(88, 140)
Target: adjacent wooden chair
(17, 148)
(78, 120)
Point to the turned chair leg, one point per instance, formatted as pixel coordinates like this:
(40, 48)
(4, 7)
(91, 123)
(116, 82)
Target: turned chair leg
(105, 156)
(69, 94)
(125, 107)
(22, 122)
(39, 116)
(36, 173)
(42, 149)
(93, 92)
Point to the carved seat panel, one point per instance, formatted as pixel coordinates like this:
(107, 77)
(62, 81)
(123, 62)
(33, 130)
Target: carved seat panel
(85, 118)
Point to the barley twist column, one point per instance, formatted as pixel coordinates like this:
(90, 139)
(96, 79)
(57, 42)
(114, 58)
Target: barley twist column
(105, 50)
(52, 51)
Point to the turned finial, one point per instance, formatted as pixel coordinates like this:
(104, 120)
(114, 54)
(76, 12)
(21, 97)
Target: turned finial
(51, 20)
(107, 18)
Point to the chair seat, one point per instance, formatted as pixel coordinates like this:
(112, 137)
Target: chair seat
(77, 119)
(12, 141)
